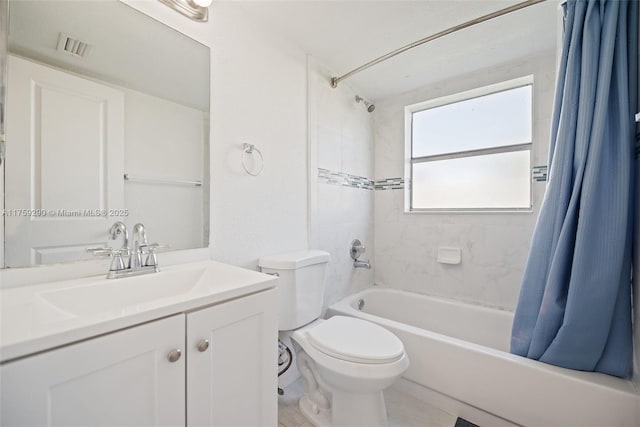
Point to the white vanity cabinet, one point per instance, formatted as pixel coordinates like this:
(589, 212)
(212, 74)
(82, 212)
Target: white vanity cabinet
(127, 378)
(123, 378)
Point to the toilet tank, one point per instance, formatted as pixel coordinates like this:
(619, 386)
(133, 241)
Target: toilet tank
(301, 285)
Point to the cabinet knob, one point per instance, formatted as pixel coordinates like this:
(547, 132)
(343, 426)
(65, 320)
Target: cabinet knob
(174, 355)
(203, 345)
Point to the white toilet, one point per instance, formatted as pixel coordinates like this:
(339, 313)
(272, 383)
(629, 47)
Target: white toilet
(346, 362)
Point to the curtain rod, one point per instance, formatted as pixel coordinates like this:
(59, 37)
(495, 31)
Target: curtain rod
(518, 6)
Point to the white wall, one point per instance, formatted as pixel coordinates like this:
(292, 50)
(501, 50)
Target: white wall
(166, 140)
(341, 207)
(494, 246)
(258, 97)
(262, 95)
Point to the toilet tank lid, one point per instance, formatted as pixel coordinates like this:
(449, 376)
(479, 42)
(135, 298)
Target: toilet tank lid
(293, 260)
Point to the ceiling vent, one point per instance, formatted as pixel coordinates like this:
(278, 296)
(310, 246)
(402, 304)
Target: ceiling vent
(72, 46)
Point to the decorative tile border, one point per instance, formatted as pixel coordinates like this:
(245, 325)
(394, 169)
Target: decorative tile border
(540, 173)
(326, 176)
(389, 184)
(340, 178)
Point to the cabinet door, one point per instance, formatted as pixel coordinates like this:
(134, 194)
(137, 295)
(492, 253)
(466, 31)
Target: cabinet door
(234, 381)
(120, 379)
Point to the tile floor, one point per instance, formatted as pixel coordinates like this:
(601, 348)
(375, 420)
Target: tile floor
(404, 410)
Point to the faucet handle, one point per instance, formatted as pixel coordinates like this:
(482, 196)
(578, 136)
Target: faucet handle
(117, 256)
(102, 251)
(152, 249)
(152, 259)
(357, 249)
(117, 260)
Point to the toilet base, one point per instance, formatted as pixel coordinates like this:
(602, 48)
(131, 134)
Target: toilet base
(338, 408)
(363, 410)
(317, 416)
(358, 410)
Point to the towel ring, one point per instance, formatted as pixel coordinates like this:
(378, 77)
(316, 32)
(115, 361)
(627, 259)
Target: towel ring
(249, 149)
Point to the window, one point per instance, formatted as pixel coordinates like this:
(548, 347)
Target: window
(472, 150)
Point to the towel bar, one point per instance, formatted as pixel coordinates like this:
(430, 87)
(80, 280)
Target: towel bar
(153, 180)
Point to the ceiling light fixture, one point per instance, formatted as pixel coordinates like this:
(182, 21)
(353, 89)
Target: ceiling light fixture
(198, 10)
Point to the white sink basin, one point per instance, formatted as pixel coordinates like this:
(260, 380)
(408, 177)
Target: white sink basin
(122, 294)
(38, 317)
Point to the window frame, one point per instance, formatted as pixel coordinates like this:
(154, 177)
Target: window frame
(409, 110)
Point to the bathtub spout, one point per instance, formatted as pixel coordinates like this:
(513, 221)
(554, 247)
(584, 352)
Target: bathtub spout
(361, 264)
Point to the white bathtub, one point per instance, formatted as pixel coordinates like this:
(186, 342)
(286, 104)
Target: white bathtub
(460, 351)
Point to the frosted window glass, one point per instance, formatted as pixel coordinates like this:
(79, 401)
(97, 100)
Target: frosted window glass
(495, 120)
(489, 181)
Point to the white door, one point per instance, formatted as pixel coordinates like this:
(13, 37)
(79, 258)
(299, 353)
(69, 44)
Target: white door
(120, 379)
(64, 163)
(234, 381)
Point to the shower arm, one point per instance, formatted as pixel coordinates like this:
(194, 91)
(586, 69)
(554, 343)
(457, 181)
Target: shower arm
(506, 10)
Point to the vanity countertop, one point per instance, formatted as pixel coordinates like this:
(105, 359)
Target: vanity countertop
(41, 317)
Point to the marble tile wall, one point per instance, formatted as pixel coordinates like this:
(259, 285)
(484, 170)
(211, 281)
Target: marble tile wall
(494, 245)
(341, 180)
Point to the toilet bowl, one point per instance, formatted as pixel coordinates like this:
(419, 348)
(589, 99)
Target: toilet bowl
(346, 364)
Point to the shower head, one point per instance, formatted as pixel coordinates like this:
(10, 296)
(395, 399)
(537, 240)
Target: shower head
(369, 105)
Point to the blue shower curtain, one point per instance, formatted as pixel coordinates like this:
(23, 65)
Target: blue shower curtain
(574, 308)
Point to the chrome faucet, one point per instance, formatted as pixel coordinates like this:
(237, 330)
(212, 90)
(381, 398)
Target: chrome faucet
(139, 242)
(124, 262)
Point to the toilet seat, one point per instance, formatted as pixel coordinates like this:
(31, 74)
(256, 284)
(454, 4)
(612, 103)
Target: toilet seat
(355, 340)
(333, 366)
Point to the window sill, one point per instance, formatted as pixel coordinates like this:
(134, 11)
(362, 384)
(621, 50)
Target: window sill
(470, 211)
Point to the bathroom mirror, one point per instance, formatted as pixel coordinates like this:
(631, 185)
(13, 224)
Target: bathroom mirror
(107, 120)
